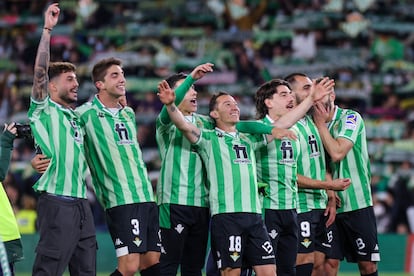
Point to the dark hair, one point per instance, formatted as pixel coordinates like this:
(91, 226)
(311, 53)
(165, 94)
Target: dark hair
(99, 69)
(266, 91)
(213, 101)
(291, 78)
(173, 79)
(57, 68)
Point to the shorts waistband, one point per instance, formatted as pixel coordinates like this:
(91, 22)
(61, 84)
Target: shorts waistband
(63, 197)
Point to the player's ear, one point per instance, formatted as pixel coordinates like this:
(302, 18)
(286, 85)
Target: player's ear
(99, 85)
(214, 114)
(52, 86)
(332, 96)
(268, 103)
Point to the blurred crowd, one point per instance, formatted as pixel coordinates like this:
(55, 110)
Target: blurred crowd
(366, 46)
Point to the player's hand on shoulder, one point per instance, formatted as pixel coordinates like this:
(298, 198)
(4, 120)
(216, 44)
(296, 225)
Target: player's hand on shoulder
(281, 133)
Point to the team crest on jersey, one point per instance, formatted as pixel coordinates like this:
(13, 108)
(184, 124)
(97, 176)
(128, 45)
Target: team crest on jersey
(179, 228)
(273, 234)
(235, 256)
(351, 121)
(137, 241)
(303, 121)
(306, 242)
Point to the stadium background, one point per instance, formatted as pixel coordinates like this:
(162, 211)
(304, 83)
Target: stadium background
(367, 46)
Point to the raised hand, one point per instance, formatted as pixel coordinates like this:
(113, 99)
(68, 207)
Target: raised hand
(51, 16)
(165, 93)
(322, 88)
(201, 70)
(320, 115)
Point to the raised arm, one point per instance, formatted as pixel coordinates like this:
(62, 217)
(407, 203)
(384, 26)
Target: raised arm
(318, 91)
(40, 78)
(198, 72)
(337, 148)
(167, 97)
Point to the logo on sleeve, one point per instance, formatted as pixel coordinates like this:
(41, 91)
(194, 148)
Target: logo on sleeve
(351, 121)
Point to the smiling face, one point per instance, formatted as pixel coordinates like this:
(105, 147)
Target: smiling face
(280, 102)
(114, 82)
(64, 88)
(226, 112)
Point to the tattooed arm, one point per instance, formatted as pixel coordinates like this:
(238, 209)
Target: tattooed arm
(167, 97)
(40, 78)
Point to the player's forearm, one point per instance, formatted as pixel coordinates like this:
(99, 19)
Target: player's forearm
(309, 183)
(290, 118)
(254, 127)
(332, 147)
(190, 131)
(180, 92)
(40, 78)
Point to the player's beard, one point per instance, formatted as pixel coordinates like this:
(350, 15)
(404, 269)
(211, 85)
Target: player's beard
(64, 97)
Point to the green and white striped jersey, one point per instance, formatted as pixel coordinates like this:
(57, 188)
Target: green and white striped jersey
(57, 132)
(349, 124)
(115, 160)
(311, 163)
(276, 166)
(182, 176)
(231, 171)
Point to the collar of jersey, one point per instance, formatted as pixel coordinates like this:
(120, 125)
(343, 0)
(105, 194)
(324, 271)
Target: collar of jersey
(61, 107)
(104, 108)
(336, 116)
(224, 133)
